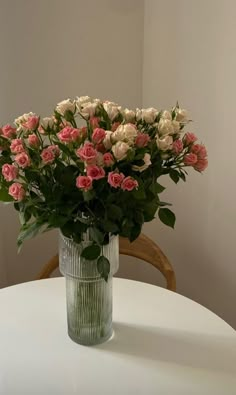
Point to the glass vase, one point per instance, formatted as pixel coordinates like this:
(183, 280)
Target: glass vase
(88, 295)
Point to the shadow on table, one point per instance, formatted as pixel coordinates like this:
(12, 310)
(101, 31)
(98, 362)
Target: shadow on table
(183, 348)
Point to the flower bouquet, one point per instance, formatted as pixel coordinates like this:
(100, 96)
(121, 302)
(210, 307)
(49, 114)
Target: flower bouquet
(91, 170)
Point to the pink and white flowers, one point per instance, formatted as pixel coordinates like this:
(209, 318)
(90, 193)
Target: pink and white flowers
(16, 190)
(115, 179)
(17, 146)
(84, 182)
(95, 172)
(23, 160)
(8, 131)
(129, 183)
(87, 153)
(106, 168)
(9, 172)
(98, 135)
(33, 141)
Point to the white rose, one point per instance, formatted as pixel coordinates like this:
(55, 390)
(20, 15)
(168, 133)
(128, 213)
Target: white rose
(126, 133)
(112, 109)
(165, 127)
(138, 114)
(181, 115)
(47, 122)
(98, 101)
(88, 110)
(147, 163)
(99, 159)
(82, 100)
(166, 115)
(66, 105)
(149, 115)
(129, 115)
(120, 150)
(165, 143)
(176, 126)
(107, 140)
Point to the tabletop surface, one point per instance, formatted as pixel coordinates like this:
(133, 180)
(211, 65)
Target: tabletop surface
(163, 343)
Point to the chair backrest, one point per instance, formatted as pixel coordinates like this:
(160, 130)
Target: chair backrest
(142, 248)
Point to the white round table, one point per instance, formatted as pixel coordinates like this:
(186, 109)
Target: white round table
(163, 344)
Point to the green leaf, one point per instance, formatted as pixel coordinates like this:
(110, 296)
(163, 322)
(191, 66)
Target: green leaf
(91, 252)
(167, 217)
(130, 156)
(162, 204)
(4, 196)
(109, 226)
(24, 215)
(135, 232)
(97, 235)
(17, 206)
(156, 188)
(114, 212)
(28, 231)
(150, 211)
(103, 266)
(182, 176)
(127, 225)
(174, 175)
(57, 221)
(139, 193)
(89, 195)
(139, 218)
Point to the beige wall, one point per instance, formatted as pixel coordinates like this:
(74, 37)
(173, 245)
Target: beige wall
(189, 55)
(51, 50)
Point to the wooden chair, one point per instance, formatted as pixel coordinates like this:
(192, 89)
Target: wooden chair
(142, 248)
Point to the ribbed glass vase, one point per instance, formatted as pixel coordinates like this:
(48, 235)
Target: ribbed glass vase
(88, 295)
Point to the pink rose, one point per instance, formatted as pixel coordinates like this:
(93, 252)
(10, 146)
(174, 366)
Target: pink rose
(199, 150)
(87, 153)
(129, 184)
(55, 149)
(8, 131)
(190, 159)
(68, 134)
(9, 172)
(17, 146)
(201, 165)
(75, 134)
(23, 159)
(108, 159)
(33, 141)
(189, 138)
(31, 123)
(98, 135)
(84, 182)
(95, 172)
(177, 146)
(83, 131)
(17, 191)
(142, 140)
(115, 125)
(41, 130)
(115, 179)
(94, 122)
(48, 155)
(100, 148)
